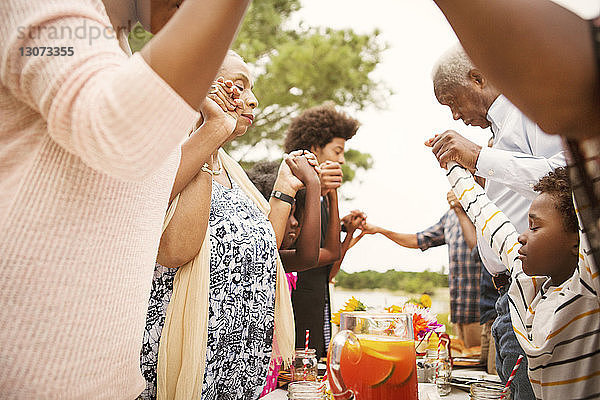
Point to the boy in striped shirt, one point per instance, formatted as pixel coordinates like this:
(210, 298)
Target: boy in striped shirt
(554, 304)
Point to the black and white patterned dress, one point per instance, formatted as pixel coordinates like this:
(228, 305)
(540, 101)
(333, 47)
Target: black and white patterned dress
(241, 301)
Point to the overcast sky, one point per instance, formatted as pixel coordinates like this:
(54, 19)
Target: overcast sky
(405, 190)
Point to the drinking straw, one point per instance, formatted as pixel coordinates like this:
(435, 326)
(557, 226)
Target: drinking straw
(445, 341)
(305, 373)
(306, 341)
(511, 377)
(323, 384)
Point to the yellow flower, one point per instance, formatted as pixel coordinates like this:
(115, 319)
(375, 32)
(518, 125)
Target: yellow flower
(394, 309)
(335, 319)
(351, 305)
(425, 300)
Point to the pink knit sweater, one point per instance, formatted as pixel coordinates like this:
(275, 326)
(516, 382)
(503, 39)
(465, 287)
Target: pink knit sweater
(89, 148)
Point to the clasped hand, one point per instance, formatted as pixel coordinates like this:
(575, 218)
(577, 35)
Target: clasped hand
(451, 146)
(353, 221)
(222, 107)
(331, 176)
(298, 169)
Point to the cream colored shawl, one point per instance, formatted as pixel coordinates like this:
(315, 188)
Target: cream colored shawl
(182, 349)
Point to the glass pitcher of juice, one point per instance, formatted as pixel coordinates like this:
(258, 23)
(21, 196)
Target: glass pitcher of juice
(373, 357)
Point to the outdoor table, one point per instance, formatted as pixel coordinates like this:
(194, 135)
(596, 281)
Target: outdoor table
(427, 391)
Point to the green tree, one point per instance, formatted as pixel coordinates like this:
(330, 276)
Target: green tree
(300, 68)
(411, 282)
(262, 30)
(303, 67)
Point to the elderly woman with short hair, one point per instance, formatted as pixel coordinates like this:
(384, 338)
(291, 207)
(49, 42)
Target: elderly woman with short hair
(228, 299)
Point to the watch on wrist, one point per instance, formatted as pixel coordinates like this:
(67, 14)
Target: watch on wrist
(283, 197)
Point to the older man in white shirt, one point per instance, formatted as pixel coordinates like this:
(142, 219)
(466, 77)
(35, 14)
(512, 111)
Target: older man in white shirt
(521, 154)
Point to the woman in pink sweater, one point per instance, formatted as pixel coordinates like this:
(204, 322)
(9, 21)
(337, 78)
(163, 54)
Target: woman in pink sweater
(89, 149)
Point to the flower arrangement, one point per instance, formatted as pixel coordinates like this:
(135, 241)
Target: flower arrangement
(424, 320)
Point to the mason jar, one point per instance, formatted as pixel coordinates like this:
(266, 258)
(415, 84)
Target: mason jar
(304, 367)
(438, 370)
(306, 390)
(442, 373)
(488, 391)
(429, 364)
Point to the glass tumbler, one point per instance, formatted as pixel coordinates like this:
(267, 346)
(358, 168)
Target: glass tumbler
(306, 390)
(304, 367)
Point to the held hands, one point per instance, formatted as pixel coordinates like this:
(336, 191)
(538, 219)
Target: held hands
(304, 166)
(227, 96)
(451, 146)
(368, 229)
(310, 157)
(222, 106)
(331, 176)
(356, 219)
(453, 202)
(297, 169)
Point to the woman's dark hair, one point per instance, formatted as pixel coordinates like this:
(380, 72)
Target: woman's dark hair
(318, 126)
(557, 185)
(264, 174)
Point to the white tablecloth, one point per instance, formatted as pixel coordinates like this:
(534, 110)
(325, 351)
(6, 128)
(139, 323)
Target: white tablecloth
(427, 391)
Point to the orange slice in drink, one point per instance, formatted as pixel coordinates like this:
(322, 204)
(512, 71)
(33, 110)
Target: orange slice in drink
(369, 371)
(386, 378)
(400, 353)
(405, 365)
(383, 348)
(401, 375)
(358, 367)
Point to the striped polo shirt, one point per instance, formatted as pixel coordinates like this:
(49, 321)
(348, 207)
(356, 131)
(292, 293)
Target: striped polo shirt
(558, 327)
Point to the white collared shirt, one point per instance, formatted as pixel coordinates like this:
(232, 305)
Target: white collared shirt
(521, 154)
